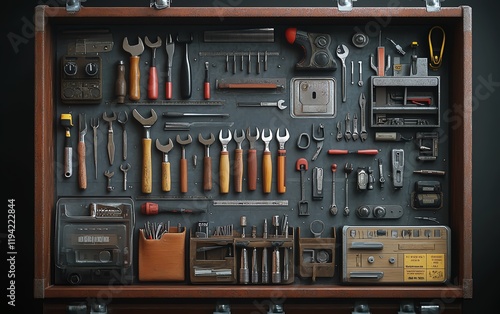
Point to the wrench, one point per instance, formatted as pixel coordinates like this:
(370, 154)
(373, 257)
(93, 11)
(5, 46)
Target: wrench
(347, 170)
(94, 123)
(267, 163)
(333, 206)
(224, 163)
(362, 104)
(342, 53)
(124, 170)
(109, 175)
(166, 182)
(281, 174)
(278, 104)
(360, 82)
(135, 73)
(339, 131)
(355, 133)
(348, 133)
(153, 73)
(111, 143)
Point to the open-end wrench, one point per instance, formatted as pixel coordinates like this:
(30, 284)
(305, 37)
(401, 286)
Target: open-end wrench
(302, 166)
(224, 163)
(82, 162)
(183, 162)
(122, 121)
(153, 73)
(342, 53)
(348, 133)
(339, 131)
(238, 161)
(207, 161)
(267, 163)
(134, 71)
(170, 48)
(362, 105)
(355, 133)
(252, 160)
(281, 167)
(279, 104)
(166, 181)
(125, 169)
(147, 169)
(347, 170)
(109, 174)
(111, 142)
(333, 206)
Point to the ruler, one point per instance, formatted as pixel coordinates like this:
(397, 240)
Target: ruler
(236, 53)
(250, 203)
(173, 198)
(180, 103)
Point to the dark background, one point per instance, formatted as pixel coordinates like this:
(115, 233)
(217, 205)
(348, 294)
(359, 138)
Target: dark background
(18, 121)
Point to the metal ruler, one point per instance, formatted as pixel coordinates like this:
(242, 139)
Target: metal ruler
(250, 203)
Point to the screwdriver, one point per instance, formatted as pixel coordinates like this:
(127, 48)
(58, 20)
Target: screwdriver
(380, 56)
(150, 208)
(345, 152)
(67, 124)
(206, 84)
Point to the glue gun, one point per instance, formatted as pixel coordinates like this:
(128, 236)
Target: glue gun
(317, 55)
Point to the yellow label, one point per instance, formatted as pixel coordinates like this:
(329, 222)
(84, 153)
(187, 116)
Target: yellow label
(415, 261)
(415, 275)
(435, 260)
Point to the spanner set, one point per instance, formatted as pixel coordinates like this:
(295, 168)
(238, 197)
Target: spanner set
(299, 152)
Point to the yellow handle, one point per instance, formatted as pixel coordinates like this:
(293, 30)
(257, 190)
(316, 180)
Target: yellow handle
(281, 177)
(238, 170)
(267, 172)
(165, 177)
(147, 170)
(224, 172)
(135, 77)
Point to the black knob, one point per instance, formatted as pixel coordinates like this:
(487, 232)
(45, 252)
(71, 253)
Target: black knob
(91, 69)
(363, 212)
(379, 212)
(70, 68)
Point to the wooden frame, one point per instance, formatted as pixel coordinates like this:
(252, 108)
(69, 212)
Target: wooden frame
(460, 149)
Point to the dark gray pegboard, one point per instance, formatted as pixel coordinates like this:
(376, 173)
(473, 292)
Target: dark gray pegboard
(281, 66)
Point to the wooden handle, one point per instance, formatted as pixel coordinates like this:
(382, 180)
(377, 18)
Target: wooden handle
(147, 170)
(224, 172)
(135, 77)
(184, 175)
(252, 169)
(168, 90)
(120, 84)
(267, 172)
(238, 170)
(381, 61)
(153, 83)
(82, 167)
(166, 183)
(281, 177)
(207, 173)
(206, 90)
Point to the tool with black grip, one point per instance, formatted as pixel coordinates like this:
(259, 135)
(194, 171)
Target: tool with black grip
(186, 78)
(170, 48)
(316, 48)
(134, 71)
(67, 123)
(147, 169)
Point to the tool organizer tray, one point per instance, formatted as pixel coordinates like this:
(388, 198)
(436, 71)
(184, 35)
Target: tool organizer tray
(417, 119)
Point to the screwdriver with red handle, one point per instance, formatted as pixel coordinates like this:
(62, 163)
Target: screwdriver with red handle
(359, 152)
(150, 208)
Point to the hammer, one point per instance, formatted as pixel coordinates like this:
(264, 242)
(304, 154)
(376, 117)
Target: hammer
(147, 170)
(135, 73)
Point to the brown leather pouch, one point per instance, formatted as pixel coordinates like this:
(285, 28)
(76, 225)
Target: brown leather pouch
(162, 259)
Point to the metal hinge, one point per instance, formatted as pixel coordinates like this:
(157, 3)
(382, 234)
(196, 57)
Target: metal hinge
(345, 5)
(159, 4)
(433, 5)
(73, 6)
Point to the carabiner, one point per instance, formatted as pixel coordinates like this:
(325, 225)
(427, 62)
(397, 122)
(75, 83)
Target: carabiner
(436, 56)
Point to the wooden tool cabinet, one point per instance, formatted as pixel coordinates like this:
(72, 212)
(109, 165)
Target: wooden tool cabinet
(299, 296)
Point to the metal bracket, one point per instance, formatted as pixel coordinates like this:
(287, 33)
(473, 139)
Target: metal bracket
(73, 6)
(361, 308)
(429, 308)
(433, 5)
(406, 307)
(345, 5)
(159, 4)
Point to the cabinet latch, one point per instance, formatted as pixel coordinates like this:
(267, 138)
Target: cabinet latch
(159, 4)
(73, 6)
(345, 5)
(433, 5)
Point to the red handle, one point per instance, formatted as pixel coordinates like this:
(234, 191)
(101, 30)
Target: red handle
(153, 83)
(168, 90)
(206, 90)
